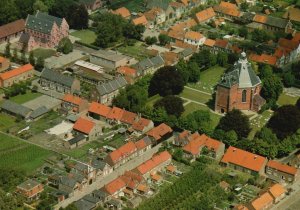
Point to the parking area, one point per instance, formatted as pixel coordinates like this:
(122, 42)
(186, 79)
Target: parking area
(44, 100)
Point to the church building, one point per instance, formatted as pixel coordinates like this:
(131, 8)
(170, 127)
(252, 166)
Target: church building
(239, 89)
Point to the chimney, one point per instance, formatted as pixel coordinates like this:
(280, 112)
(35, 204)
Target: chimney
(255, 157)
(234, 150)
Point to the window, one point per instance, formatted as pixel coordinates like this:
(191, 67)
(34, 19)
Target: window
(244, 95)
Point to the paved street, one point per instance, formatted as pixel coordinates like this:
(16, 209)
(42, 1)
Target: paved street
(116, 173)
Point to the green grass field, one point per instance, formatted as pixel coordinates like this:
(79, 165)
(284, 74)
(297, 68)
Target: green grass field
(132, 5)
(208, 79)
(20, 99)
(18, 154)
(258, 122)
(81, 152)
(285, 99)
(86, 36)
(44, 53)
(195, 95)
(138, 50)
(151, 101)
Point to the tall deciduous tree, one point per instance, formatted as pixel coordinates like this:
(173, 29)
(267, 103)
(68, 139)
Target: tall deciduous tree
(172, 104)
(272, 88)
(65, 46)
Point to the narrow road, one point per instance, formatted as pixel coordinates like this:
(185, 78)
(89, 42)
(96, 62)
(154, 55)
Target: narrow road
(103, 181)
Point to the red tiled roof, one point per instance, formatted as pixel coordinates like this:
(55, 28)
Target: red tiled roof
(141, 124)
(127, 71)
(240, 207)
(193, 35)
(277, 190)
(140, 20)
(205, 15)
(209, 42)
(16, 72)
(243, 158)
(115, 186)
(176, 4)
(115, 113)
(132, 179)
(228, 9)
(222, 43)
(128, 117)
(158, 132)
(282, 167)
(296, 37)
(171, 168)
(262, 201)
(140, 144)
(123, 151)
(263, 58)
(260, 18)
(2, 59)
(154, 162)
(72, 99)
(288, 44)
(99, 109)
(151, 14)
(83, 125)
(124, 12)
(12, 28)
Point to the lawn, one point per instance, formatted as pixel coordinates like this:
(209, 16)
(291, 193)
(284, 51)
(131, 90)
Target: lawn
(132, 5)
(191, 107)
(18, 154)
(117, 141)
(138, 50)
(285, 99)
(208, 79)
(195, 96)
(85, 36)
(6, 121)
(20, 99)
(81, 152)
(47, 121)
(258, 122)
(151, 101)
(44, 53)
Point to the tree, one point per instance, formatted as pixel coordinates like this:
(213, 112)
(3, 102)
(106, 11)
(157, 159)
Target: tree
(23, 57)
(244, 6)
(265, 71)
(172, 104)
(235, 120)
(40, 63)
(288, 79)
(194, 72)
(222, 59)
(31, 58)
(183, 69)
(285, 121)
(8, 12)
(243, 32)
(151, 40)
(77, 16)
(65, 46)
(259, 35)
(298, 104)
(40, 6)
(166, 81)
(7, 50)
(164, 39)
(272, 88)
(15, 57)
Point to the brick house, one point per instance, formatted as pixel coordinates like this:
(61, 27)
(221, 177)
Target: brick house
(155, 16)
(30, 189)
(281, 172)
(263, 202)
(143, 145)
(278, 192)
(98, 111)
(86, 170)
(102, 168)
(4, 64)
(59, 82)
(142, 20)
(91, 5)
(129, 73)
(123, 12)
(239, 89)
(273, 24)
(88, 128)
(204, 145)
(205, 15)
(43, 30)
(143, 125)
(115, 188)
(160, 133)
(264, 58)
(244, 161)
(74, 103)
(17, 75)
(194, 38)
(227, 10)
(11, 30)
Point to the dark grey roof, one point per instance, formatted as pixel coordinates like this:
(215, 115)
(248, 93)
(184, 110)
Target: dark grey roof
(76, 139)
(84, 205)
(143, 64)
(67, 181)
(57, 77)
(44, 16)
(100, 194)
(91, 198)
(98, 164)
(24, 38)
(274, 21)
(115, 202)
(78, 177)
(157, 61)
(81, 167)
(147, 140)
(28, 184)
(110, 55)
(163, 4)
(39, 112)
(111, 86)
(72, 117)
(15, 108)
(186, 52)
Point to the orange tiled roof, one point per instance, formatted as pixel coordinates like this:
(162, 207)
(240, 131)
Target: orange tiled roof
(262, 201)
(141, 124)
(288, 44)
(140, 20)
(128, 117)
(12, 28)
(72, 99)
(2, 59)
(124, 12)
(222, 43)
(141, 144)
(115, 186)
(126, 70)
(156, 177)
(296, 37)
(263, 58)
(205, 15)
(158, 132)
(115, 113)
(131, 179)
(142, 188)
(277, 190)
(209, 42)
(260, 18)
(193, 35)
(123, 151)
(240, 207)
(243, 158)
(293, 13)
(83, 125)
(99, 109)
(170, 58)
(176, 4)
(282, 167)
(151, 14)
(16, 72)
(228, 9)
(154, 162)
(171, 168)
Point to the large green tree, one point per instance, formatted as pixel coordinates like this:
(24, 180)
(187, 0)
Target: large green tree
(65, 46)
(235, 120)
(272, 88)
(172, 104)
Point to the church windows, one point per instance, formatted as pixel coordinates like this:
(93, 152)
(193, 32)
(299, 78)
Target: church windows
(244, 96)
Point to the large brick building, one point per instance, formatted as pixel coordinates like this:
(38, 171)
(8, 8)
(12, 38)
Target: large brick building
(239, 89)
(17, 75)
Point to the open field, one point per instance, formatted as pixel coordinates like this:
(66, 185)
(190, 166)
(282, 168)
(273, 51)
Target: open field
(208, 79)
(195, 95)
(285, 99)
(132, 5)
(17, 154)
(81, 152)
(44, 53)
(85, 36)
(20, 99)
(138, 50)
